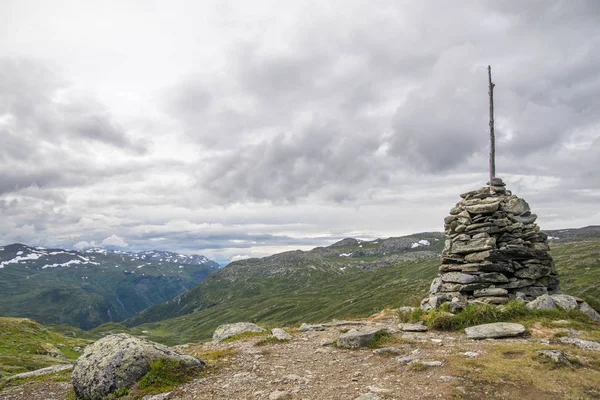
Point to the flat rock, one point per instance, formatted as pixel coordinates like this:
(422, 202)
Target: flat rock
(473, 246)
(490, 292)
(229, 330)
(495, 330)
(306, 327)
(389, 350)
(412, 327)
(43, 371)
(581, 343)
(355, 339)
(458, 277)
(119, 361)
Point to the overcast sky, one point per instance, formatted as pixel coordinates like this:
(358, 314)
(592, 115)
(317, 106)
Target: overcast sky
(244, 128)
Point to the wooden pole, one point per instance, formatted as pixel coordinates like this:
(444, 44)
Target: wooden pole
(492, 137)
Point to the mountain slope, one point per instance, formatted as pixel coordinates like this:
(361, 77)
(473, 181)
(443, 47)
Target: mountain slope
(88, 288)
(26, 345)
(349, 278)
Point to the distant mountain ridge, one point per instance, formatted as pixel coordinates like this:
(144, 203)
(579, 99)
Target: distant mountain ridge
(89, 287)
(348, 278)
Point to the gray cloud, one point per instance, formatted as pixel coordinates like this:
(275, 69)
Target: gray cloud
(321, 156)
(278, 125)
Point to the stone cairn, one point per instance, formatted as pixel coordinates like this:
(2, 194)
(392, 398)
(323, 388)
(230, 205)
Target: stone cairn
(495, 252)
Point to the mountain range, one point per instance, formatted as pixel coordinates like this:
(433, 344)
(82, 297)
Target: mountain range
(158, 295)
(90, 287)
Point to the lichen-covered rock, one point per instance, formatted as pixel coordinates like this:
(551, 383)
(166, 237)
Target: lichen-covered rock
(589, 311)
(229, 330)
(118, 361)
(564, 301)
(544, 302)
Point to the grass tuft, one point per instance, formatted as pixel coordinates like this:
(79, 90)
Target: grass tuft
(514, 311)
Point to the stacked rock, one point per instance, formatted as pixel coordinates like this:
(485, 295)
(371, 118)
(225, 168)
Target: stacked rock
(495, 252)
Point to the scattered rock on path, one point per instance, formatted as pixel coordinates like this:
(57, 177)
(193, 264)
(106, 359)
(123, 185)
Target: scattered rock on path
(278, 394)
(306, 327)
(555, 356)
(118, 361)
(368, 396)
(229, 330)
(495, 330)
(280, 334)
(412, 327)
(355, 339)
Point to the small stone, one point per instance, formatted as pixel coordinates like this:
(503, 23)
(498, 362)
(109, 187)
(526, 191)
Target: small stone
(432, 363)
(556, 356)
(374, 389)
(278, 394)
(388, 350)
(327, 342)
(471, 354)
(306, 327)
(412, 327)
(447, 378)
(406, 360)
(280, 334)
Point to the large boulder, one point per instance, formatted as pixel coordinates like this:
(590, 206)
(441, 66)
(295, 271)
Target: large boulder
(118, 361)
(229, 330)
(495, 330)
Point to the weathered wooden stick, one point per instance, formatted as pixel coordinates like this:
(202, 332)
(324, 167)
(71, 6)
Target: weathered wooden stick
(492, 137)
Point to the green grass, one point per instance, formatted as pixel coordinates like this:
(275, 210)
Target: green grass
(26, 345)
(163, 376)
(578, 265)
(514, 311)
(315, 296)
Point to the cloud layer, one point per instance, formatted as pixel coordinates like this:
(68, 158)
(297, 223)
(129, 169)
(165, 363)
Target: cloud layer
(239, 131)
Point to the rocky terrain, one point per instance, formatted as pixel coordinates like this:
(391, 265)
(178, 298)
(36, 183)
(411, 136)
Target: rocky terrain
(409, 363)
(90, 287)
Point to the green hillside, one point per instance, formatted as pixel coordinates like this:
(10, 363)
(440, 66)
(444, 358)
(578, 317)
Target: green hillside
(26, 345)
(88, 288)
(319, 285)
